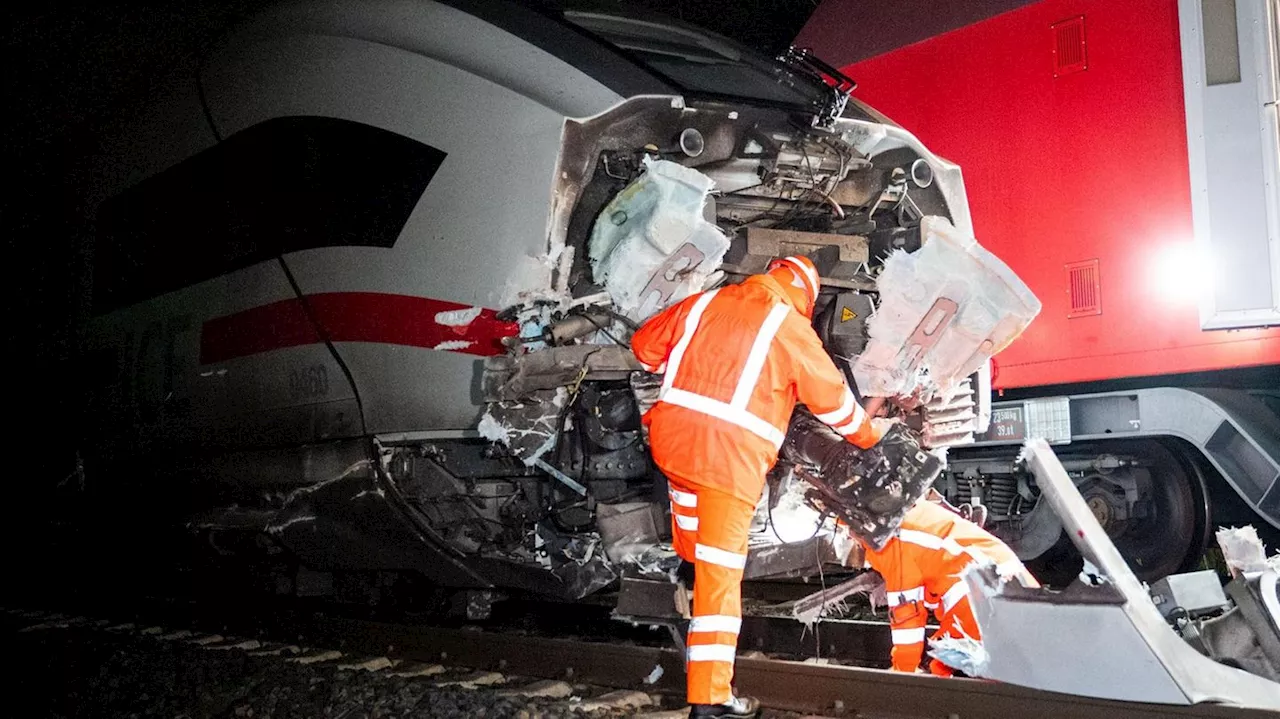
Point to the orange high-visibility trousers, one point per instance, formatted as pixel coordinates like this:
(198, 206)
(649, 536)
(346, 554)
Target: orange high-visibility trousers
(921, 566)
(709, 528)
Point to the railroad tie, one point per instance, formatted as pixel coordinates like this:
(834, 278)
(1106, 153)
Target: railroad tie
(417, 669)
(549, 688)
(322, 656)
(206, 640)
(620, 699)
(376, 664)
(245, 645)
(475, 679)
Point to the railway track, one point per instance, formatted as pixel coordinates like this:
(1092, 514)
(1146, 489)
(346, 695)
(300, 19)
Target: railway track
(630, 677)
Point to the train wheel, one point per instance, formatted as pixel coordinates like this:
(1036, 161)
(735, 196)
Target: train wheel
(1165, 532)
(1161, 533)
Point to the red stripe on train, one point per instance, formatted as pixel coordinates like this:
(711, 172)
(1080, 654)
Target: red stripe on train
(353, 317)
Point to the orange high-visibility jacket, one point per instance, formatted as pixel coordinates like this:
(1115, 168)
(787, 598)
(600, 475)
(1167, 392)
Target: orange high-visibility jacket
(734, 362)
(921, 567)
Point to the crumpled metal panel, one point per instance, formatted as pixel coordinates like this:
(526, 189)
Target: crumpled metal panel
(357, 520)
(651, 246)
(1105, 641)
(870, 490)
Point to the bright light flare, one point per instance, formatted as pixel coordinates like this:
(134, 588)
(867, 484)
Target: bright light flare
(1180, 273)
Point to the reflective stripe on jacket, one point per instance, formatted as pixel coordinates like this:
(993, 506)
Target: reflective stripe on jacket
(735, 361)
(921, 567)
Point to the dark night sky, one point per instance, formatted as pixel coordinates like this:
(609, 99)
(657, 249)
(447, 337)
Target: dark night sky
(68, 63)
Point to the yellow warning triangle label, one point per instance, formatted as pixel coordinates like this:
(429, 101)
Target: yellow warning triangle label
(846, 314)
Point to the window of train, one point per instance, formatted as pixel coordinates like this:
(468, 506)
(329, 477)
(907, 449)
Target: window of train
(701, 62)
(1221, 42)
(286, 184)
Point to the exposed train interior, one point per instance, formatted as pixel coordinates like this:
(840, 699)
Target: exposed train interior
(560, 482)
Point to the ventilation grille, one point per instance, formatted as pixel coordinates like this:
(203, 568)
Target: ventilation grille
(1085, 289)
(1069, 47)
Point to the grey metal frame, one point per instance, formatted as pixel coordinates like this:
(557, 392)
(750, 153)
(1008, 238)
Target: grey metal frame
(1106, 641)
(1232, 429)
(1233, 145)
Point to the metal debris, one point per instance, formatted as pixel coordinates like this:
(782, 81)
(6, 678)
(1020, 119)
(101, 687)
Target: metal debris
(813, 607)
(530, 427)
(1244, 551)
(1108, 640)
(964, 654)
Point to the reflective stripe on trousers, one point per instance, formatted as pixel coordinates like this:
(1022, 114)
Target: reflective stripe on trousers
(709, 528)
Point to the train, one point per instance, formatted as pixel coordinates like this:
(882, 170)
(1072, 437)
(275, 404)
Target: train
(1134, 187)
(362, 278)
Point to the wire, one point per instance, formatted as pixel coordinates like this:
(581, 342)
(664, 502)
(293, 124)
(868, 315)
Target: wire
(625, 320)
(328, 343)
(774, 528)
(587, 316)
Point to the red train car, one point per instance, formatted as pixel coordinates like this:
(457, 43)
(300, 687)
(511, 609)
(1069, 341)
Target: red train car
(1122, 158)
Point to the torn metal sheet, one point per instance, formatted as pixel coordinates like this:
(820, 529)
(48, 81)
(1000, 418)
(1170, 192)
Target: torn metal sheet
(1244, 551)
(1105, 641)
(578, 562)
(823, 602)
(945, 308)
(793, 559)
(356, 520)
(963, 653)
(1247, 634)
(629, 529)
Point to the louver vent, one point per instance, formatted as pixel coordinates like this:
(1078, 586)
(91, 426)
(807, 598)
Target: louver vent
(1085, 287)
(1069, 47)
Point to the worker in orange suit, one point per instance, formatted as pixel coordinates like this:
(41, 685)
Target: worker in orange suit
(921, 566)
(734, 362)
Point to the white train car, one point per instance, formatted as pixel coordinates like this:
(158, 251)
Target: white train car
(303, 255)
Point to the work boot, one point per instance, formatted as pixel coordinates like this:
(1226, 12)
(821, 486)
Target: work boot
(737, 708)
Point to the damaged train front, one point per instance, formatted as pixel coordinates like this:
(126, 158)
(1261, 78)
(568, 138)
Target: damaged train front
(658, 199)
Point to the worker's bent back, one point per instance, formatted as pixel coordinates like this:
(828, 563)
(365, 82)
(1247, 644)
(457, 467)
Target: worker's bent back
(735, 361)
